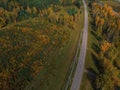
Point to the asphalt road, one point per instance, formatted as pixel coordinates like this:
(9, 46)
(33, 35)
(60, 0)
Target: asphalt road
(80, 65)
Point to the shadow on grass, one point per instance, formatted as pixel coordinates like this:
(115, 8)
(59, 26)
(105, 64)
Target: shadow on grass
(96, 62)
(96, 36)
(91, 75)
(95, 47)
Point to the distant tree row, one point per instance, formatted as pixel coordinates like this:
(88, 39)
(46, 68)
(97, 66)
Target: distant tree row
(12, 11)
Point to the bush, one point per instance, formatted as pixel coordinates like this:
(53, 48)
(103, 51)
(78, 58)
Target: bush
(72, 11)
(23, 15)
(78, 3)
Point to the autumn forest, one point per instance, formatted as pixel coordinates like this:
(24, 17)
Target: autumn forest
(40, 40)
(30, 33)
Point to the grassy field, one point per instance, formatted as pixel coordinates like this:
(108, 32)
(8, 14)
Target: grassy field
(63, 58)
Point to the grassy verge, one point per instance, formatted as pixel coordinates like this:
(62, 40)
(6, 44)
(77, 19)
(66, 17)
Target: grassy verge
(90, 62)
(72, 68)
(63, 58)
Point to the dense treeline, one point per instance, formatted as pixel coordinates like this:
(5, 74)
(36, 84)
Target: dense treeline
(39, 3)
(17, 10)
(12, 11)
(107, 32)
(32, 3)
(26, 46)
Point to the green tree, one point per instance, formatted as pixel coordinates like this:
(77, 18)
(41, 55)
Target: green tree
(104, 82)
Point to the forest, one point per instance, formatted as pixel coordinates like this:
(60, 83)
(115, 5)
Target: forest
(30, 32)
(106, 29)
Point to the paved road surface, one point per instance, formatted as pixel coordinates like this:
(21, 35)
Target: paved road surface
(80, 66)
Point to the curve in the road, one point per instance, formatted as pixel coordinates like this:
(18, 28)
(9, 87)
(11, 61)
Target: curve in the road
(80, 66)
